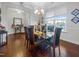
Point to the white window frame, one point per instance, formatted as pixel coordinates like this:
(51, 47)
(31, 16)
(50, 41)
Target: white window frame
(57, 19)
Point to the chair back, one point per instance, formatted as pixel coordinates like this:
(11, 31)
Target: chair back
(57, 36)
(31, 34)
(26, 33)
(50, 28)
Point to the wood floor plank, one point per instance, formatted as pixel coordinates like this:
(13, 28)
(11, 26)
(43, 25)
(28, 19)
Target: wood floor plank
(16, 47)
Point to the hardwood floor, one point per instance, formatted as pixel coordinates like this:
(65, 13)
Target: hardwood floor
(71, 49)
(16, 46)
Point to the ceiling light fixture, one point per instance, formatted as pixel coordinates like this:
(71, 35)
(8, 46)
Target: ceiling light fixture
(39, 11)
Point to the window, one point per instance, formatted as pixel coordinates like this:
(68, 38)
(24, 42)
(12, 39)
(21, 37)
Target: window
(57, 21)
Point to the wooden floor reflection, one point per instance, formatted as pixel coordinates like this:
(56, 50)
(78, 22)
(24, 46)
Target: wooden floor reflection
(16, 47)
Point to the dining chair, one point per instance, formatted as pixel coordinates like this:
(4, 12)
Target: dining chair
(30, 34)
(50, 28)
(54, 41)
(26, 36)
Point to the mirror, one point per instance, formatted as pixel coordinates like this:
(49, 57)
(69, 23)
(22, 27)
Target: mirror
(17, 21)
(17, 24)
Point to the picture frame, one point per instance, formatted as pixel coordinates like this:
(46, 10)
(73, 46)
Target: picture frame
(17, 21)
(75, 12)
(75, 20)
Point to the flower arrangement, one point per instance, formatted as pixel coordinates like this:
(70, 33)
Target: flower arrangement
(2, 27)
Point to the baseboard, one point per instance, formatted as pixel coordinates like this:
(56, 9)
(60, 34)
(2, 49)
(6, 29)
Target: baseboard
(11, 34)
(68, 42)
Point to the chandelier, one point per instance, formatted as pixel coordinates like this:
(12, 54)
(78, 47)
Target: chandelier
(39, 12)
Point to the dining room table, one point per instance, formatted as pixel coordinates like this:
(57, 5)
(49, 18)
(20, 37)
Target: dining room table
(41, 36)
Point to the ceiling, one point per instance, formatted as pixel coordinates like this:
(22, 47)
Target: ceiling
(35, 5)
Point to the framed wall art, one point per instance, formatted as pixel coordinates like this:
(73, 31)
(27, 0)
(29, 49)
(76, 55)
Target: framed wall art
(75, 12)
(75, 20)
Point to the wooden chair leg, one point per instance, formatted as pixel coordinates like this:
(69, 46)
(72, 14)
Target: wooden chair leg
(50, 53)
(54, 51)
(27, 43)
(59, 51)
